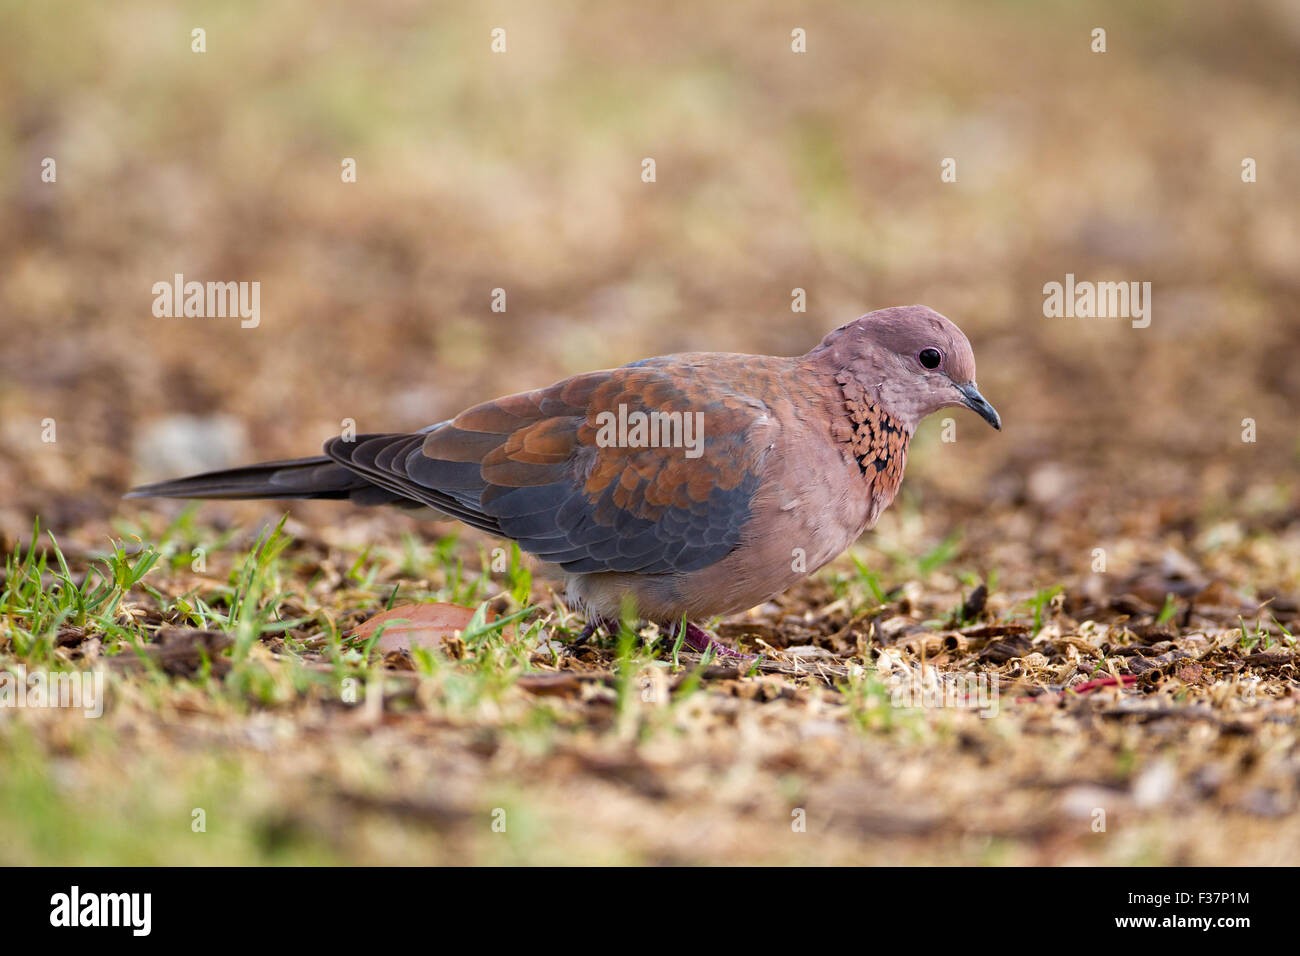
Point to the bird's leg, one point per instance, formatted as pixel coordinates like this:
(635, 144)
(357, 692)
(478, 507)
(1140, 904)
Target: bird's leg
(696, 638)
(592, 626)
(701, 641)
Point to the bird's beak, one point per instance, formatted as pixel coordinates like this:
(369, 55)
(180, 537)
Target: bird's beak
(980, 405)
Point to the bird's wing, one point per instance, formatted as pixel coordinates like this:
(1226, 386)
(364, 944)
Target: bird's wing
(549, 469)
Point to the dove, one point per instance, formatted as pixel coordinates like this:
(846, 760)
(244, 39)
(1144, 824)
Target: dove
(682, 487)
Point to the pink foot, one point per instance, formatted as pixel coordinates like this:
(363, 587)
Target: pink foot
(701, 641)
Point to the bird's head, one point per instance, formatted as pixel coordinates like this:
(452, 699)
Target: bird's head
(912, 359)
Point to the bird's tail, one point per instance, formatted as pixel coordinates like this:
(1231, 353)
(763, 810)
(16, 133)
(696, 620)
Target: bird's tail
(318, 477)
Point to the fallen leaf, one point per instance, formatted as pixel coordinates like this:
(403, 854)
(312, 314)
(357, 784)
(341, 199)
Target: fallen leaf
(421, 625)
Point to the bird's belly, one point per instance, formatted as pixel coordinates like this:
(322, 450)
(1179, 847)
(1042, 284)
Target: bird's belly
(800, 533)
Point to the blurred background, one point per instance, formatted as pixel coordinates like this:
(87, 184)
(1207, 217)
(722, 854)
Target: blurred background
(774, 171)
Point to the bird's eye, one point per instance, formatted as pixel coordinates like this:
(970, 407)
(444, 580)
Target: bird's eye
(930, 358)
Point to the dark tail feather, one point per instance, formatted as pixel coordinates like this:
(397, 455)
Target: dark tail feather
(318, 477)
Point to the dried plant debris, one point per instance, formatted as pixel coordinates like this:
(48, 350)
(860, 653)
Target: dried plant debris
(893, 714)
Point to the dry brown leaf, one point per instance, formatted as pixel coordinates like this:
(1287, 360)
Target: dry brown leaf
(421, 625)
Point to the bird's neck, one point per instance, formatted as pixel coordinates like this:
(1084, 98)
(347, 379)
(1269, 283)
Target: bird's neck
(877, 440)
